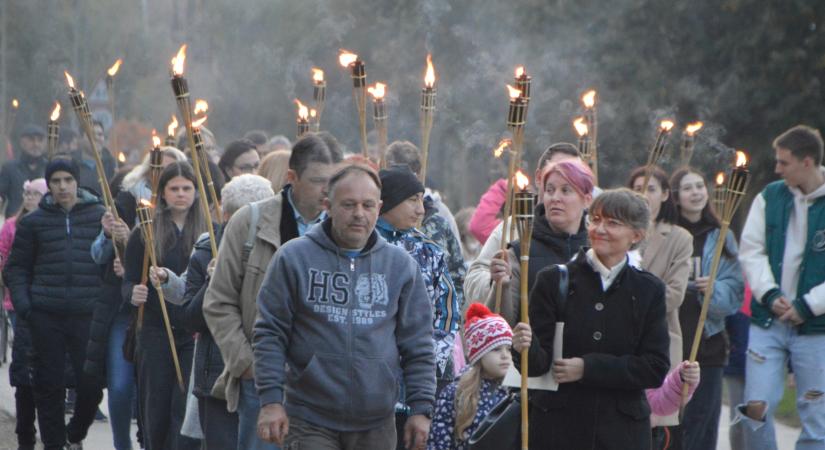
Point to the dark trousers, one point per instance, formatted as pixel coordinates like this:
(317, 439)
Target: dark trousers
(24, 404)
(162, 402)
(700, 424)
(53, 337)
(219, 426)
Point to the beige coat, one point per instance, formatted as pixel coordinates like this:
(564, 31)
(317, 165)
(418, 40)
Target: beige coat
(667, 255)
(229, 305)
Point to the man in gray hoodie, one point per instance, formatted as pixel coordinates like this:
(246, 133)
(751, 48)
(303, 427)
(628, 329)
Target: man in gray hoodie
(350, 316)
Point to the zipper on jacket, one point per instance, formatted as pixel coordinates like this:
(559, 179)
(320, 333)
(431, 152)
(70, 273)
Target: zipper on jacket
(68, 226)
(352, 264)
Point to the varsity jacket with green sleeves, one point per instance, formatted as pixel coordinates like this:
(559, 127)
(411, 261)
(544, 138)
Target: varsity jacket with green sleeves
(348, 327)
(784, 240)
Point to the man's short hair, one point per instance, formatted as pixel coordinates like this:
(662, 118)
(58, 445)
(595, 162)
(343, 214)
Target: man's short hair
(245, 189)
(312, 149)
(404, 153)
(802, 141)
(258, 137)
(553, 150)
(352, 169)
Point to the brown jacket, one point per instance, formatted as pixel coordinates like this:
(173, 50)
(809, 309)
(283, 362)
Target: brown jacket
(229, 304)
(667, 255)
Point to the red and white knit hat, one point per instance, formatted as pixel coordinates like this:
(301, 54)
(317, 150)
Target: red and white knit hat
(484, 331)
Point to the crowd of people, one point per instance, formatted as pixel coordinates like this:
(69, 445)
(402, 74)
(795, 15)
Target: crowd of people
(348, 308)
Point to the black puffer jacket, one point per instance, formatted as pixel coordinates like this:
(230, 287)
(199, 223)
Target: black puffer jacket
(208, 362)
(50, 267)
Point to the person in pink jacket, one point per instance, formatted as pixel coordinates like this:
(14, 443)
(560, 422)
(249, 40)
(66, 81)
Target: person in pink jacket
(666, 399)
(486, 217)
(33, 191)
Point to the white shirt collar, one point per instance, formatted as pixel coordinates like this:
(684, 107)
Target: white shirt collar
(607, 275)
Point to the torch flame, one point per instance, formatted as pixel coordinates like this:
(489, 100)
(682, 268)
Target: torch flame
(589, 98)
(666, 125)
(173, 125)
(155, 139)
(720, 178)
(200, 106)
(121, 157)
(741, 159)
(317, 75)
(514, 93)
(581, 127)
(69, 79)
(178, 60)
(313, 113)
(692, 128)
(145, 203)
(346, 58)
(303, 112)
(115, 67)
(378, 91)
(55, 112)
(522, 181)
(14, 103)
(519, 71)
(501, 146)
(429, 76)
(199, 122)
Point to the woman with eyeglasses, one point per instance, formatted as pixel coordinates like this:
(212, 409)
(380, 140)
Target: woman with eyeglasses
(240, 157)
(615, 344)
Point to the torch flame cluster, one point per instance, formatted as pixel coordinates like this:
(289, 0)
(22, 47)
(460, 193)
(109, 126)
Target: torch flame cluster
(317, 75)
(178, 60)
(377, 91)
(303, 111)
(581, 126)
(55, 112)
(115, 67)
(346, 58)
(429, 75)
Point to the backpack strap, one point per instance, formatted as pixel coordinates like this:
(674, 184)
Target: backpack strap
(253, 228)
(564, 286)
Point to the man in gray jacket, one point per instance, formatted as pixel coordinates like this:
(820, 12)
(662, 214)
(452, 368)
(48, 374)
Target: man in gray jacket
(349, 314)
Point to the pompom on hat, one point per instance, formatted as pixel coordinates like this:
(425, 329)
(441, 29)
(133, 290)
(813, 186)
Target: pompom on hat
(484, 331)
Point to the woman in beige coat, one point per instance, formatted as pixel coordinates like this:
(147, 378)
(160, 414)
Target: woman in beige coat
(665, 253)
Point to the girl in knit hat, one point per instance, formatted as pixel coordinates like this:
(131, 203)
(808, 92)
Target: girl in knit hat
(463, 404)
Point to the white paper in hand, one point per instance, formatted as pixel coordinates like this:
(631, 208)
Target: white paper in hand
(545, 382)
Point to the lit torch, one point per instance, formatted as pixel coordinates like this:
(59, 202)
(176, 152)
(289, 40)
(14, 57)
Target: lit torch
(319, 94)
(728, 200)
(428, 94)
(379, 118)
(359, 91)
(200, 152)
(180, 88)
(146, 228)
(688, 141)
(155, 168)
(592, 120)
(524, 205)
(657, 150)
(303, 118)
(171, 130)
(53, 130)
(110, 89)
(585, 148)
(84, 116)
(12, 116)
(522, 83)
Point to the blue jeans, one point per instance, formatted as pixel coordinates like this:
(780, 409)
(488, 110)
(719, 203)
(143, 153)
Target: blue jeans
(767, 357)
(120, 380)
(248, 407)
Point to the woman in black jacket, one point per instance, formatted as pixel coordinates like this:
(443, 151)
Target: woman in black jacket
(615, 342)
(177, 224)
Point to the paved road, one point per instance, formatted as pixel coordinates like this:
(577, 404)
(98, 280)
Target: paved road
(100, 436)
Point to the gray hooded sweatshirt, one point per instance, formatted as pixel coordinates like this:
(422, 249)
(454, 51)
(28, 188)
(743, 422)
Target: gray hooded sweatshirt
(348, 328)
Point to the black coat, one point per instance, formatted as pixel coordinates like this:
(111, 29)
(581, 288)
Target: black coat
(621, 335)
(208, 361)
(12, 176)
(50, 267)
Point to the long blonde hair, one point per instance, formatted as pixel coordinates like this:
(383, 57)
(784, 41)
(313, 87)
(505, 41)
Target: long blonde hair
(467, 395)
(138, 174)
(274, 167)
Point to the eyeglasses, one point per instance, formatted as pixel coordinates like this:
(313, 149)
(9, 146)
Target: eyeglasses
(32, 194)
(609, 224)
(248, 168)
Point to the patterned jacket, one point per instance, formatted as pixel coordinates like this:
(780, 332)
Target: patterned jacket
(442, 430)
(433, 264)
(437, 228)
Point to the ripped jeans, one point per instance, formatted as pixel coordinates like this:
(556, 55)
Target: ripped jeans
(767, 357)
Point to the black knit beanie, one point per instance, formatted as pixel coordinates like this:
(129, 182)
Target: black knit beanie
(64, 164)
(398, 184)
